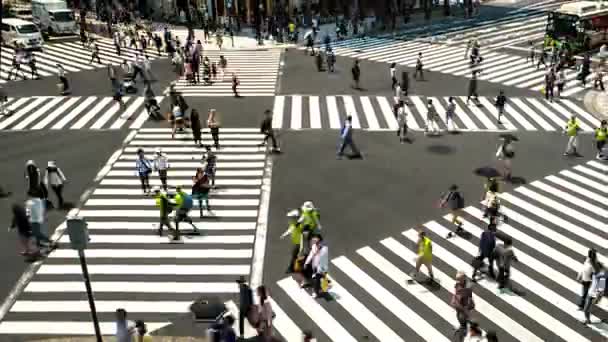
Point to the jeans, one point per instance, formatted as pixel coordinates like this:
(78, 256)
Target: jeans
(38, 234)
(589, 302)
(145, 182)
(585, 291)
(162, 174)
(215, 134)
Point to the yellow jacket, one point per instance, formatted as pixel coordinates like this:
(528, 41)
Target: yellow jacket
(572, 127)
(601, 133)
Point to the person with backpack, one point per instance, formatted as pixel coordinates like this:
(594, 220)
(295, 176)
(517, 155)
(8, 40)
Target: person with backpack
(183, 204)
(596, 292)
(455, 201)
(487, 243)
(165, 208)
(462, 302)
(500, 102)
(505, 255)
(585, 276)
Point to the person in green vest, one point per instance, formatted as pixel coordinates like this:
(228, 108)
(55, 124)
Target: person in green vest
(572, 128)
(310, 217)
(165, 207)
(295, 230)
(600, 137)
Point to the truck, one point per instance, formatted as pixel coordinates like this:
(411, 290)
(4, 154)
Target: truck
(54, 17)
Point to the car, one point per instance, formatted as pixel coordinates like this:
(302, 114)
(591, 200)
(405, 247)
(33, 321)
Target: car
(22, 32)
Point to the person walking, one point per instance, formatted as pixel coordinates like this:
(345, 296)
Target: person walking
(143, 169)
(183, 205)
(531, 52)
(549, 84)
(95, 53)
(462, 301)
(210, 165)
(424, 245)
(505, 256)
(601, 133)
(505, 155)
(21, 222)
(267, 130)
(264, 314)
(124, 327)
(419, 66)
(597, 291)
(213, 122)
(454, 200)
(401, 116)
(560, 81)
(36, 213)
(473, 87)
(165, 208)
(432, 127)
(55, 179)
(195, 125)
(235, 84)
(356, 72)
(34, 69)
(65, 85)
(501, 101)
(296, 231)
(346, 139)
(223, 66)
(541, 58)
(487, 244)
(585, 276)
(116, 40)
(161, 165)
(201, 189)
(33, 180)
(393, 75)
(317, 263)
(572, 129)
(16, 67)
(449, 115)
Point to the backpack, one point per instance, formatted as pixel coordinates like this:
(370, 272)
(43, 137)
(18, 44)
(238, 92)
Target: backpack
(188, 203)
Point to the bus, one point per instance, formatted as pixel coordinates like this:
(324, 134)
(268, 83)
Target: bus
(581, 25)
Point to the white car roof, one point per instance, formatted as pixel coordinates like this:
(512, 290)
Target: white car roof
(16, 21)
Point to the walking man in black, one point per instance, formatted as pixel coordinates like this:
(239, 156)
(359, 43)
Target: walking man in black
(266, 129)
(95, 53)
(356, 71)
(33, 68)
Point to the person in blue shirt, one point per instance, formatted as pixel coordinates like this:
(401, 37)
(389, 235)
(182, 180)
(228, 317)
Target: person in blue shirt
(346, 139)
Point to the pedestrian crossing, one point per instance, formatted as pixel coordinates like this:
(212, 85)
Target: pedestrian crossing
(130, 265)
(72, 56)
(496, 67)
(79, 112)
(376, 113)
(257, 71)
(553, 223)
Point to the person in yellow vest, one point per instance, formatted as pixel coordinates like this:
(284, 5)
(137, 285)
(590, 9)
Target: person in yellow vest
(310, 217)
(600, 137)
(295, 229)
(425, 255)
(572, 128)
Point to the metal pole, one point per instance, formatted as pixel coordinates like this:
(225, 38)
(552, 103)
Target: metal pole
(87, 283)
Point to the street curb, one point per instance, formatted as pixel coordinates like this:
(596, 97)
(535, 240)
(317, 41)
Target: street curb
(596, 102)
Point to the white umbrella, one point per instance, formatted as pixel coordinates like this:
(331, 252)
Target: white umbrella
(309, 33)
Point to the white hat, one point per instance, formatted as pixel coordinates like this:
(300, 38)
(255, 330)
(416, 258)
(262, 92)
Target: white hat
(158, 150)
(308, 206)
(51, 163)
(30, 162)
(293, 213)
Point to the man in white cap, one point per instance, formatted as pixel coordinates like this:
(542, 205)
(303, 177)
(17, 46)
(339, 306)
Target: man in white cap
(161, 164)
(310, 217)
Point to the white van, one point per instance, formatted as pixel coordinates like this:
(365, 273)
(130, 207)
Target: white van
(54, 16)
(21, 31)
